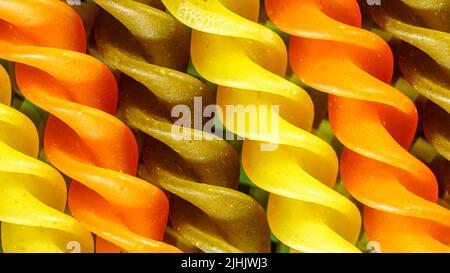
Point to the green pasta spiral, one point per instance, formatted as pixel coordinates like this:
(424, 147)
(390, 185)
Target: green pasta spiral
(150, 48)
(424, 58)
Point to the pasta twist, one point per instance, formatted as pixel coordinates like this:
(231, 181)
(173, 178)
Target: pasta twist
(33, 194)
(83, 139)
(374, 121)
(248, 61)
(202, 169)
(424, 58)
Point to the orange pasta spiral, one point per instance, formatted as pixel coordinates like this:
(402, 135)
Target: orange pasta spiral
(330, 52)
(83, 139)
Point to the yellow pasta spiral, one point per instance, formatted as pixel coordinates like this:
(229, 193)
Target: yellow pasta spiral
(248, 61)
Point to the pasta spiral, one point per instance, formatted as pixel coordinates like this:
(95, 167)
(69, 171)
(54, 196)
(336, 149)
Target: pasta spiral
(424, 58)
(248, 61)
(374, 121)
(83, 139)
(201, 170)
(33, 194)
